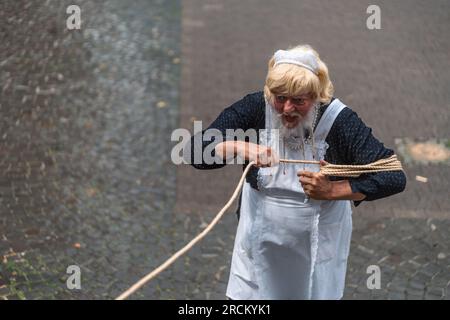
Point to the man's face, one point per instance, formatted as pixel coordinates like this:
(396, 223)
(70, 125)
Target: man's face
(292, 110)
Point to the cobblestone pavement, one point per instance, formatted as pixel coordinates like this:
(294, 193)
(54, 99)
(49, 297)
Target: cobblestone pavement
(86, 118)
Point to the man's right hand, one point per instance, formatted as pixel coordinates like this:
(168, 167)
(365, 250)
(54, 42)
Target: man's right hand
(262, 155)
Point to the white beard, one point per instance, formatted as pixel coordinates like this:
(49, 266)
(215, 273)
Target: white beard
(298, 132)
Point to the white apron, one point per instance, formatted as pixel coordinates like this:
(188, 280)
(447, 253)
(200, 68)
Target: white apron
(288, 246)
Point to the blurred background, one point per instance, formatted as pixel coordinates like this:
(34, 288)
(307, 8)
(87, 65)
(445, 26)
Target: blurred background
(86, 118)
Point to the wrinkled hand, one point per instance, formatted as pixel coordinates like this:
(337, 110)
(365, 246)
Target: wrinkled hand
(262, 155)
(315, 184)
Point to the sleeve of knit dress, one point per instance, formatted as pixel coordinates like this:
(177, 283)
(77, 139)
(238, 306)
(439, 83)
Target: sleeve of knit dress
(352, 142)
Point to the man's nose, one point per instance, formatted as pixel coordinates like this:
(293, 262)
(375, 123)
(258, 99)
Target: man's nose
(288, 106)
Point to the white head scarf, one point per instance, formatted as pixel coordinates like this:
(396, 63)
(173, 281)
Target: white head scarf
(303, 58)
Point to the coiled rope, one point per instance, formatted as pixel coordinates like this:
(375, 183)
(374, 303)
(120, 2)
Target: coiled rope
(388, 164)
(338, 170)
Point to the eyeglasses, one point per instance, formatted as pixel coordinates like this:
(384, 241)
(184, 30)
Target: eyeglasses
(298, 101)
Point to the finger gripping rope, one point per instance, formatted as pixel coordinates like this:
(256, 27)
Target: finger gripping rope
(388, 164)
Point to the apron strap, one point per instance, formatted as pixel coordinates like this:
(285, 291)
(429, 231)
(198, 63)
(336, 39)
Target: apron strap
(327, 120)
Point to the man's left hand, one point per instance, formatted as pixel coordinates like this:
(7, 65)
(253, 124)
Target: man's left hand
(315, 184)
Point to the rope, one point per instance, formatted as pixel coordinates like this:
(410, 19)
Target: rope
(338, 170)
(388, 164)
(182, 251)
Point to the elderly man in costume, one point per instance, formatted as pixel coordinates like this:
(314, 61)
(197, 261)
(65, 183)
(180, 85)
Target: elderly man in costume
(295, 225)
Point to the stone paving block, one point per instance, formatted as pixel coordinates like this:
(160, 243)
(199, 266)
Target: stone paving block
(396, 296)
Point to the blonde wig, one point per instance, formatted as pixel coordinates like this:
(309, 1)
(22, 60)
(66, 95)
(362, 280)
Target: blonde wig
(294, 80)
